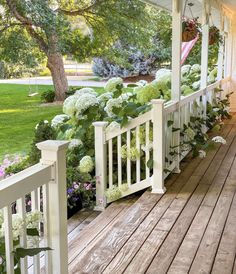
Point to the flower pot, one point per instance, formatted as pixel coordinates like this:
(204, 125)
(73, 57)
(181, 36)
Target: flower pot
(189, 35)
(74, 205)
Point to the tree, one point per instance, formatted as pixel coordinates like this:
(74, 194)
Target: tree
(81, 28)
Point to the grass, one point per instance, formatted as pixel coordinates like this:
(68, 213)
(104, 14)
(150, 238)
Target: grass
(18, 116)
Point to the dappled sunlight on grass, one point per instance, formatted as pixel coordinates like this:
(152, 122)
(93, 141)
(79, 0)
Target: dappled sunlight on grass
(13, 110)
(18, 116)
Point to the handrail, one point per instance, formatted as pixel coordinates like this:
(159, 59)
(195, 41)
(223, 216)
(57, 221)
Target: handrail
(131, 125)
(24, 182)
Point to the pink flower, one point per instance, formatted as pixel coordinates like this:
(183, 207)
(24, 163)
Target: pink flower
(29, 203)
(88, 187)
(76, 186)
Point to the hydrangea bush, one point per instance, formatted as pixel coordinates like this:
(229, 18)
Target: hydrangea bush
(117, 106)
(30, 224)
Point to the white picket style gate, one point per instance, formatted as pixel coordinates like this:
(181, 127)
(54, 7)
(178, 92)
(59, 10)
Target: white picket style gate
(45, 183)
(108, 145)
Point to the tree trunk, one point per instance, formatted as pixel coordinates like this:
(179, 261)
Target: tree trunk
(56, 66)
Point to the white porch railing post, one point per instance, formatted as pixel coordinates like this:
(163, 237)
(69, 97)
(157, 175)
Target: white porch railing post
(176, 70)
(54, 152)
(100, 164)
(158, 146)
(204, 53)
(221, 52)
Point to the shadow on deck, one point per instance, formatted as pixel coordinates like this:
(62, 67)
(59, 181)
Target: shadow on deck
(189, 229)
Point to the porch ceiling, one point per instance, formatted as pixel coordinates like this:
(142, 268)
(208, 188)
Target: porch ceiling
(230, 5)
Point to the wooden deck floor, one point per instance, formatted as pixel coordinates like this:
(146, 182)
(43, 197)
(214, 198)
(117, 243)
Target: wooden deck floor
(189, 229)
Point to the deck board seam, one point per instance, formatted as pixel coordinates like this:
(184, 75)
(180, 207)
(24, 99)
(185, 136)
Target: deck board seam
(224, 228)
(210, 217)
(202, 176)
(218, 148)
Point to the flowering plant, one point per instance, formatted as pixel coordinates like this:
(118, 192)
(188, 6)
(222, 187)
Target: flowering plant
(214, 35)
(29, 225)
(190, 29)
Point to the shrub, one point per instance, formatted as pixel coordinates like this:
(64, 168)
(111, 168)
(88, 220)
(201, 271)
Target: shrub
(43, 131)
(48, 96)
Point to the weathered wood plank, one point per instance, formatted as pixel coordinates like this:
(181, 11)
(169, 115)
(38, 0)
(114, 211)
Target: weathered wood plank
(147, 257)
(188, 248)
(224, 261)
(205, 255)
(156, 240)
(95, 257)
(81, 241)
(128, 251)
(77, 219)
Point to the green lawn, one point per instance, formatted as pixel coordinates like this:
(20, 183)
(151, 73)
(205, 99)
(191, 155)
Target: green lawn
(18, 116)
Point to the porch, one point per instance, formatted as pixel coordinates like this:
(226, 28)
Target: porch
(185, 227)
(189, 229)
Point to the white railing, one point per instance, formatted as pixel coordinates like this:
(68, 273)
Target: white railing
(159, 123)
(44, 184)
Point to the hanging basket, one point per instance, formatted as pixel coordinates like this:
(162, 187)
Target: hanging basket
(214, 35)
(190, 29)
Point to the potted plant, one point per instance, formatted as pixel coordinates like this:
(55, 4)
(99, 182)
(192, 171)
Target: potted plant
(214, 35)
(190, 29)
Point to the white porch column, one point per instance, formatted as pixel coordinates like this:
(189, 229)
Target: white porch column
(177, 6)
(176, 49)
(54, 152)
(205, 43)
(204, 53)
(220, 62)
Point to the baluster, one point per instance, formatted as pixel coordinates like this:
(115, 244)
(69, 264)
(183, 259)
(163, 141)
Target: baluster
(110, 159)
(8, 239)
(158, 146)
(147, 151)
(138, 159)
(35, 206)
(119, 160)
(23, 239)
(128, 159)
(46, 226)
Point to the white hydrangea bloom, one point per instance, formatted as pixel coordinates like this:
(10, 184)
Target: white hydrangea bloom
(36, 127)
(219, 139)
(75, 143)
(59, 119)
(113, 126)
(196, 85)
(46, 122)
(86, 164)
(163, 74)
(69, 105)
(85, 91)
(103, 98)
(33, 219)
(116, 102)
(147, 148)
(112, 84)
(68, 134)
(185, 69)
(195, 68)
(17, 227)
(190, 133)
(202, 154)
(141, 83)
(84, 102)
(126, 96)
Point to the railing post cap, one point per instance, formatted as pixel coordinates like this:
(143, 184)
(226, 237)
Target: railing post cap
(52, 145)
(100, 124)
(158, 101)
